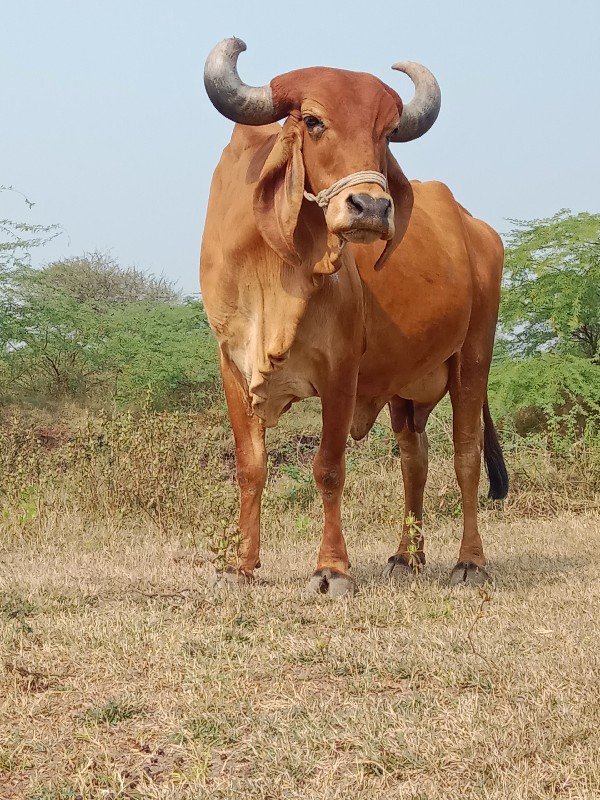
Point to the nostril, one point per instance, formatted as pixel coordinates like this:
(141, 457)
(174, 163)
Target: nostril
(364, 205)
(355, 204)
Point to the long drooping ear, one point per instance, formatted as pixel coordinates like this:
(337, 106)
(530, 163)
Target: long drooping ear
(279, 193)
(402, 194)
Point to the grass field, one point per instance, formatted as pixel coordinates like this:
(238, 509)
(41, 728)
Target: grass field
(123, 675)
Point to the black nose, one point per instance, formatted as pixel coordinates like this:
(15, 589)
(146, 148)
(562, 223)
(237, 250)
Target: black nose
(363, 206)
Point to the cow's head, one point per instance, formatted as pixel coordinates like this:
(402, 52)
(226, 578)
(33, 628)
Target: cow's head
(333, 148)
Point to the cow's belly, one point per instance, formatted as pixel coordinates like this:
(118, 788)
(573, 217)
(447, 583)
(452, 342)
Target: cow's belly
(414, 370)
(429, 388)
(398, 365)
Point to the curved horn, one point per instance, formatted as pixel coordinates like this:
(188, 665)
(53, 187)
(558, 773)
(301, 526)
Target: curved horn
(249, 105)
(422, 111)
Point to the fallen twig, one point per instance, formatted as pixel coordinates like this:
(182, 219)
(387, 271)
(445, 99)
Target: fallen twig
(182, 594)
(25, 672)
(485, 595)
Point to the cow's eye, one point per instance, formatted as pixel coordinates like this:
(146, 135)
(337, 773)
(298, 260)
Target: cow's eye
(391, 134)
(313, 123)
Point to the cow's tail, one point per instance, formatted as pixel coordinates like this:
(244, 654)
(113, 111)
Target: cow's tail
(493, 457)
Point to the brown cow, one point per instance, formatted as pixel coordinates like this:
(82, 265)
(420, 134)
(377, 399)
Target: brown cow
(305, 300)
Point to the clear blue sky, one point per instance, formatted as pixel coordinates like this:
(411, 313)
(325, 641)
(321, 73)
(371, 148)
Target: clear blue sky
(106, 126)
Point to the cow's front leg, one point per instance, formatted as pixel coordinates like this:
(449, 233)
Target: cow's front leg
(251, 464)
(331, 576)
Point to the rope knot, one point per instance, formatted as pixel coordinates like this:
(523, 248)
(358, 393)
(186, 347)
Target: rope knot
(368, 176)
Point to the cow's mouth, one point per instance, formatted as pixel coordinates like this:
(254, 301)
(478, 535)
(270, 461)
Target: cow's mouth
(363, 235)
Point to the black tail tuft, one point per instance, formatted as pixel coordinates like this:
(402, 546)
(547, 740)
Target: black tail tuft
(493, 457)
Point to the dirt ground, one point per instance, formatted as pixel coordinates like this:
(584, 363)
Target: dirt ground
(122, 675)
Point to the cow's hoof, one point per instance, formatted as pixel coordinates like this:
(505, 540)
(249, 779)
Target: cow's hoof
(465, 573)
(399, 568)
(332, 583)
(230, 578)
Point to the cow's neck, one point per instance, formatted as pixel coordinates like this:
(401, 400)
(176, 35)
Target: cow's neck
(272, 298)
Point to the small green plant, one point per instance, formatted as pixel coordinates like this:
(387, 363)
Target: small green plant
(301, 488)
(415, 538)
(29, 506)
(322, 647)
(18, 609)
(302, 522)
(52, 793)
(380, 439)
(220, 533)
(112, 712)
(209, 731)
(443, 610)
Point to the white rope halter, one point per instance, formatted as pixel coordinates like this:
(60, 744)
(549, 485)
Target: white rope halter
(322, 198)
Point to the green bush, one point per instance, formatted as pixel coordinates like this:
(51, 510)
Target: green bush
(85, 329)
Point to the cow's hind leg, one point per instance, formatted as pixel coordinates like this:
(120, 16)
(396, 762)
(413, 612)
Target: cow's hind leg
(331, 576)
(251, 464)
(410, 556)
(468, 396)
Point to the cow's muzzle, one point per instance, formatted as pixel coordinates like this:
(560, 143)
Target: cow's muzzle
(368, 217)
(362, 216)
(358, 208)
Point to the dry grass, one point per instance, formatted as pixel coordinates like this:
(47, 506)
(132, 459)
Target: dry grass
(122, 675)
